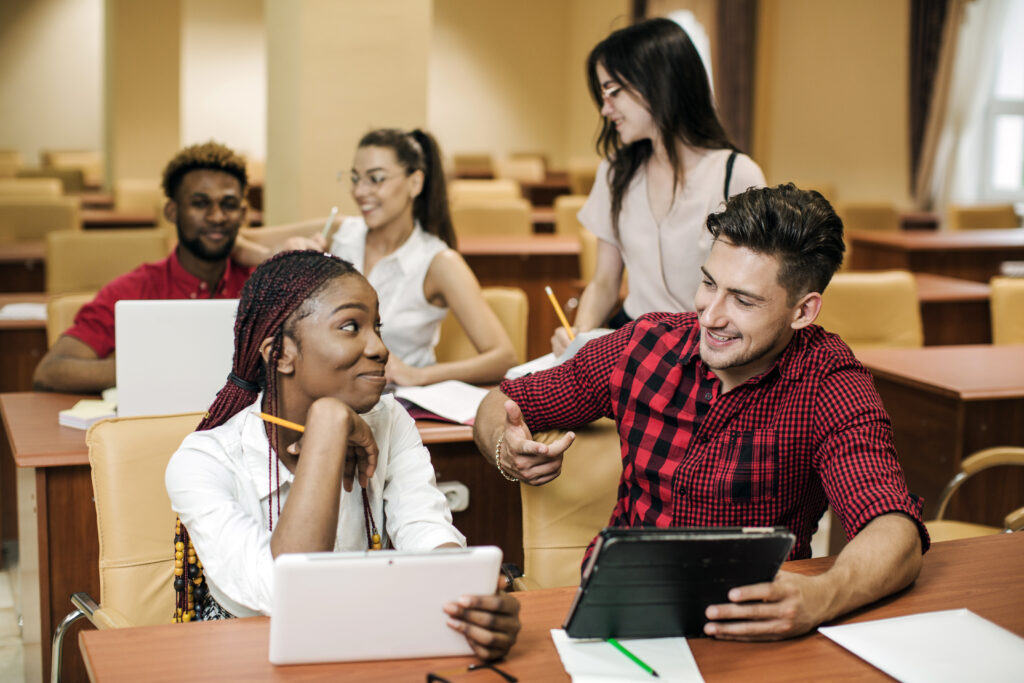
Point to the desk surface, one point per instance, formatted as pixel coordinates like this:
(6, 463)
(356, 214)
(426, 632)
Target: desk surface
(981, 574)
(966, 372)
(940, 240)
(935, 288)
(525, 245)
(38, 440)
(27, 250)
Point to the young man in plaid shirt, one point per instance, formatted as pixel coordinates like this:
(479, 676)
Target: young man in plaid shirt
(741, 414)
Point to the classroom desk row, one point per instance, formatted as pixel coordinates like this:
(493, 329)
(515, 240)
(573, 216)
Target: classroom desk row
(68, 545)
(982, 575)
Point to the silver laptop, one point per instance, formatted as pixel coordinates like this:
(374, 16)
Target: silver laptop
(384, 604)
(173, 356)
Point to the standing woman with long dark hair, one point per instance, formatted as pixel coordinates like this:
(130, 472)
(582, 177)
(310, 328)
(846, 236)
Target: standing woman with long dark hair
(668, 163)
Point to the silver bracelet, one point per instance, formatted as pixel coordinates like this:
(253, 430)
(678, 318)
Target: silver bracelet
(497, 459)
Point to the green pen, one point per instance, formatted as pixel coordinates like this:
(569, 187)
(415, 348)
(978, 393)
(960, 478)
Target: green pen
(639, 662)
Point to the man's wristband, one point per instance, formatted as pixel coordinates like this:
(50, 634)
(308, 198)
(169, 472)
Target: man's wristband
(497, 458)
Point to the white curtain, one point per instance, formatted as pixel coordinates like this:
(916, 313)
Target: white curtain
(959, 152)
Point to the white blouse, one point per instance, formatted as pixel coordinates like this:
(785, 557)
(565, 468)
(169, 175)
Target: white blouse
(219, 485)
(410, 325)
(664, 259)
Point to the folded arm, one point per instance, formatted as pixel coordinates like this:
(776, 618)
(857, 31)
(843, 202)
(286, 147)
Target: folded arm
(73, 366)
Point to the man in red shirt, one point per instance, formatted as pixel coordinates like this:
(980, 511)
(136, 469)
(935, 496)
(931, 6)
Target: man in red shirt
(741, 414)
(205, 188)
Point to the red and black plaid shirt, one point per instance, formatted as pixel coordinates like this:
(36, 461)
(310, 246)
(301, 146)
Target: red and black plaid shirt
(773, 451)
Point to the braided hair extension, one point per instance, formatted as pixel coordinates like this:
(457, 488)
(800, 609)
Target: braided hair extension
(271, 303)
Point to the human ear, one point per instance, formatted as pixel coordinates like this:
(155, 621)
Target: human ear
(806, 310)
(415, 184)
(286, 359)
(171, 211)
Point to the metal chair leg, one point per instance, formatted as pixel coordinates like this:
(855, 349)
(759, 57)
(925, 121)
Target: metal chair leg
(85, 606)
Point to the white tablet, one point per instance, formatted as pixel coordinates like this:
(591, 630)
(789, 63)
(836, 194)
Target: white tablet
(384, 604)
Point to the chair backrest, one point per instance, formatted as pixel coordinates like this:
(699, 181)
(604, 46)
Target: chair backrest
(89, 162)
(10, 162)
(566, 208)
(134, 518)
(873, 309)
(471, 191)
(138, 194)
(581, 175)
(30, 187)
(31, 218)
(493, 217)
(524, 169)
(61, 311)
(511, 307)
(1007, 306)
(81, 260)
(879, 216)
(562, 517)
(997, 456)
(473, 165)
(977, 217)
(73, 179)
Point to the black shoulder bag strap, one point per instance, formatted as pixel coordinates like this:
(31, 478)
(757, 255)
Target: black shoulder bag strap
(728, 173)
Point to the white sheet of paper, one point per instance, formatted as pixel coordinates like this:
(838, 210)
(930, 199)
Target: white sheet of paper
(549, 360)
(596, 661)
(951, 645)
(452, 399)
(23, 311)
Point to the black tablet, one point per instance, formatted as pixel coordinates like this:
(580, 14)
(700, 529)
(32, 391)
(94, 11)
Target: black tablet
(657, 582)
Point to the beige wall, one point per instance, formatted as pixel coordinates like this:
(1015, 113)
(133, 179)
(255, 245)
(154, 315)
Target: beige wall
(831, 103)
(337, 68)
(224, 74)
(51, 75)
(509, 77)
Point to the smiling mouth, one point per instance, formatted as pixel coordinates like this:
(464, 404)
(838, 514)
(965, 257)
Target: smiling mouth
(717, 338)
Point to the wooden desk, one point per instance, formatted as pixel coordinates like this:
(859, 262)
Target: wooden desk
(544, 192)
(97, 200)
(946, 402)
(969, 254)
(112, 218)
(953, 311)
(68, 541)
(529, 263)
(22, 266)
(981, 574)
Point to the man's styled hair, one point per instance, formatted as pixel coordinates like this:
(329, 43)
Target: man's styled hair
(209, 155)
(798, 226)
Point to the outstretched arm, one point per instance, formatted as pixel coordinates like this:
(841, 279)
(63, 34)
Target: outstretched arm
(532, 462)
(883, 558)
(71, 365)
(598, 300)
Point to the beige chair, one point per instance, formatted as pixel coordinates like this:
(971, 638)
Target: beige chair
(947, 530)
(31, 218)
(873, 309)
(588, 256)
(879, 216)
(135, 522)
(10, 162)
(471, 191)
(71, 179)
(561, 518)
(61, 311)
(494, 217)
(138, 195)
(473, 165)
(976, 217)
(566, 208)
(88, 162)
(511, 307)
(83, 260)
(522, 169)
(30, 187)
(1007, 305)
(581, 175)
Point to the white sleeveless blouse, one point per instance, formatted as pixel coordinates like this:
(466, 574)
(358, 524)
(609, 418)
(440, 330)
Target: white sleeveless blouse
(410, 325)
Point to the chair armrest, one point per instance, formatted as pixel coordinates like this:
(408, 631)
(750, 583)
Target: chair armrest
(107, 618)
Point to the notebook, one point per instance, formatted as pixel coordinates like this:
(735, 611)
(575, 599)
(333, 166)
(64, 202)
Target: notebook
(657, 582)
(173, 356)
(384, 604)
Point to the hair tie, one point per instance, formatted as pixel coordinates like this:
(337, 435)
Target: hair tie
(242, 384)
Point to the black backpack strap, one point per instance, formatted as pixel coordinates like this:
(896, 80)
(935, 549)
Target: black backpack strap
(728, 173)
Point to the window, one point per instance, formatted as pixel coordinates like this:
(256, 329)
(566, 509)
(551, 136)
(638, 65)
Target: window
(1003, 170)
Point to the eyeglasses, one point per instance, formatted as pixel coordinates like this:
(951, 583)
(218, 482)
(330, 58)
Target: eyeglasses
(438, 678)
(373, 179)
(610, 92)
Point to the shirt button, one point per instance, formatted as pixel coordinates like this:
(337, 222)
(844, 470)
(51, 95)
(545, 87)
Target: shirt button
(707, 396)
(202, 285)
(192, 295)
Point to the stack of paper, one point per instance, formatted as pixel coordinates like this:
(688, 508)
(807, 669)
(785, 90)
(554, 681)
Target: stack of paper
(452, 400)
(87, 411)
(549, 360)
(23, 311)
(596, 661)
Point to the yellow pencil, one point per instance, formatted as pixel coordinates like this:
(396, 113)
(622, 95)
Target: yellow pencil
(560, 312)
(280, 421)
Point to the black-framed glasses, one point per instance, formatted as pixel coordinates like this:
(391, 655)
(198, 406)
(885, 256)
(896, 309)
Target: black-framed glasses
(438, 678)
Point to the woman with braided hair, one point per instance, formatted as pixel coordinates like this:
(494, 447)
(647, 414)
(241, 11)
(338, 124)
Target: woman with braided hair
(308, 350)
(405, 245)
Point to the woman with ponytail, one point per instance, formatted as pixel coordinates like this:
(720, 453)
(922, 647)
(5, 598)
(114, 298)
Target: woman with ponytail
(405, 245)
(308, 350)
